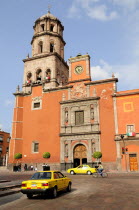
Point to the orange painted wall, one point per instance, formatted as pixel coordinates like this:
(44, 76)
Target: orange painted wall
(127, 111)
(4, 144)
(42, 126)
(106, 115)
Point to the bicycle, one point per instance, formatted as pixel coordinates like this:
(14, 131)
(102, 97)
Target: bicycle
(102, 174)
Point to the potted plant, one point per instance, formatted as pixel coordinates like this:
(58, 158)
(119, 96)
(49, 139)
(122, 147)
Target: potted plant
(46, 155)
(17, 156)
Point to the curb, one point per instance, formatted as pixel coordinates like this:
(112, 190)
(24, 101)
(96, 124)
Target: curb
(9, 192)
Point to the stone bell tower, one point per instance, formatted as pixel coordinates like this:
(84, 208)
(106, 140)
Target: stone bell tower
(46, 66)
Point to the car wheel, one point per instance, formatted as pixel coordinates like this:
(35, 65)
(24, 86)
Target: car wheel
(72, 172)
(29, 196)
(89, 172)
(54, 192)
(69, 187)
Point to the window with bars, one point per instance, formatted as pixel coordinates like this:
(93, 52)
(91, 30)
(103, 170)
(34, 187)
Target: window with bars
(130, 128)
(36, 105)
(35, 147)
(1, 138)
(79, 117)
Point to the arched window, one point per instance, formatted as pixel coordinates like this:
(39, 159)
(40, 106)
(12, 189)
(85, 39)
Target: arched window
(29, 77)
(48, 74)
(51, 27)
(42, 27)
(39, 75)
(40, 47)
(51, 47)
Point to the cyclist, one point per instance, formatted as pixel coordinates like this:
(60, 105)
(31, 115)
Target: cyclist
(100, 168)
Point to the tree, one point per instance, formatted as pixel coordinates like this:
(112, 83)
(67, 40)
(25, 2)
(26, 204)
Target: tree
(46, 155)
(97, 155)
(17, 156)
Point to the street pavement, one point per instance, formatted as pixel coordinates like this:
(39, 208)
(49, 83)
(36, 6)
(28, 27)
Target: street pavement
(117, 191)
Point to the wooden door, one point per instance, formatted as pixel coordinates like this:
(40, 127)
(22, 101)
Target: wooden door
(133, 162)
(80, 152)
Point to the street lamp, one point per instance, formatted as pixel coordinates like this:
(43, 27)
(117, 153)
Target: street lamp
(122, 137)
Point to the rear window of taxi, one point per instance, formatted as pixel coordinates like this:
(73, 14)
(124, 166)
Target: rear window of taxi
(41, 175)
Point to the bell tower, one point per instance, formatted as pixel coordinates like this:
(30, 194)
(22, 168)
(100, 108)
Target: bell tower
(46, 66)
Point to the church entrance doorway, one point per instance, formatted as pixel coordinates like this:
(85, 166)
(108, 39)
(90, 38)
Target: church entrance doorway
(80, 155)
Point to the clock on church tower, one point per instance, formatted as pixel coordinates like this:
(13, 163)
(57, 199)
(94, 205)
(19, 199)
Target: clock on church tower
(79, 68)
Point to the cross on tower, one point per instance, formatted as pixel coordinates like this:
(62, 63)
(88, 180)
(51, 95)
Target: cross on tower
(49, 7)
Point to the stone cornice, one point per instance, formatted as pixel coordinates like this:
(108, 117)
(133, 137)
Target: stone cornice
(21, 94)
(78, 58)
(57, 88)
(47, 55)
(48, 33)
(102, 81)
(81, 133)
(125, 94)
(80, 80)
(79, 100)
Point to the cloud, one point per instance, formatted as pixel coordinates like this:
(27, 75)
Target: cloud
(9, 102)
(127, 4)
(93, 9)
(101, 13)
(128, 75)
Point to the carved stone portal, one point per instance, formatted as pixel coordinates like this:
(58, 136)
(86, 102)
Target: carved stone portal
(80, 152)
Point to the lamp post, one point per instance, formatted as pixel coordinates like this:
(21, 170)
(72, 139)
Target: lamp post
(122, 137)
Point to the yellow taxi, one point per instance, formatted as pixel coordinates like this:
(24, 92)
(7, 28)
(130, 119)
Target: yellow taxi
(82, 169)
(44, 182)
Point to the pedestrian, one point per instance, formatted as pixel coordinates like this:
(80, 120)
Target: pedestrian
(32, 167)
(36, 168)
(25, 167)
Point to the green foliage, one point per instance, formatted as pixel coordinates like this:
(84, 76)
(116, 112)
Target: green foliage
(46, 155)
(18, 156)
(97, 155)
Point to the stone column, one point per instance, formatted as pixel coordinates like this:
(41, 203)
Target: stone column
(89, 154)
(62, 147)
(70, 159)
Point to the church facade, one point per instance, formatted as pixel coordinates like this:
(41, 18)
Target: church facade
(61, 111)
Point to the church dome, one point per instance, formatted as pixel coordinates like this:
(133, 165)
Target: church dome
(48, 15)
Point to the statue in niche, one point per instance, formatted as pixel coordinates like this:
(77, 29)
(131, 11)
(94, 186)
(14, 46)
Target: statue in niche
(92, 111)
(66, 150)
(66, 115)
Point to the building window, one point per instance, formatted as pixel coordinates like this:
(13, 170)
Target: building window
(1, 138)
(42, 27)
(51, 47)
(35, 147)
(130, 128)
(40, 47)
(7, 149)
(0, 149)
(36, 105)
(8, 140)
(39, 75)
(79, 117)
(51, 27)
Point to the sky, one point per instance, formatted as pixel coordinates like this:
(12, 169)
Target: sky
(108, 30)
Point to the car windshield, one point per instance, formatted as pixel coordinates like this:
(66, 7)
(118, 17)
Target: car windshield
(41, 175)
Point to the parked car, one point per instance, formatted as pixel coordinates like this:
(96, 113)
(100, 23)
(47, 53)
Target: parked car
(45, 182)
(82, 169)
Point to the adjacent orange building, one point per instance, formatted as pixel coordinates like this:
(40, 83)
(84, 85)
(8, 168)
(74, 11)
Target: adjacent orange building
(61, 111)
(4, 147)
